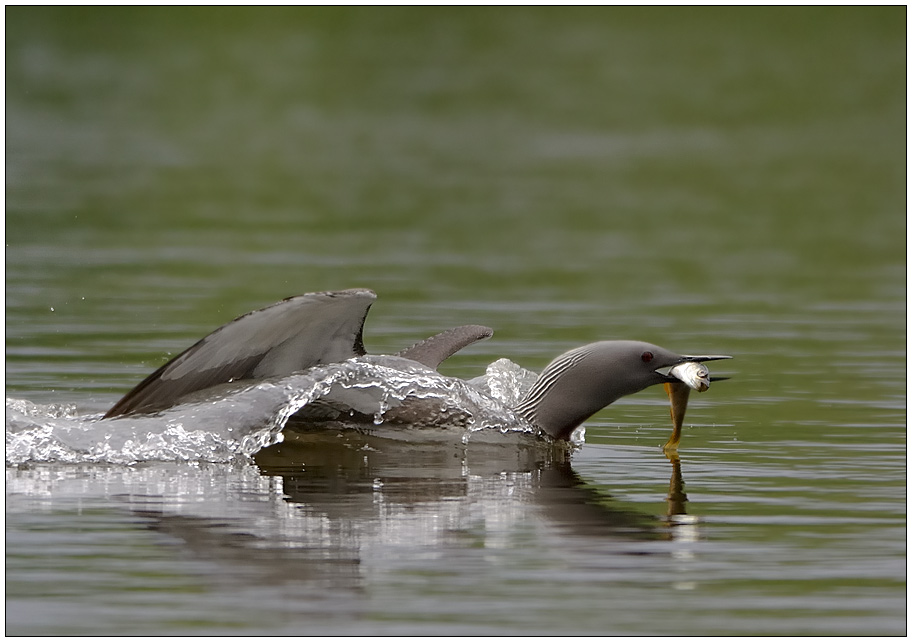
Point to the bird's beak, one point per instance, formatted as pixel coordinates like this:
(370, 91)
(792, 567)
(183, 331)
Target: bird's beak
(715, 357)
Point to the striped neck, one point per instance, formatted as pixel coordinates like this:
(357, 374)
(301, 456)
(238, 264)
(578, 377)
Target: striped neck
(534, 407)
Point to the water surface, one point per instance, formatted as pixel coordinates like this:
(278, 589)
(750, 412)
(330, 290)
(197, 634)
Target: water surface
(716, 180)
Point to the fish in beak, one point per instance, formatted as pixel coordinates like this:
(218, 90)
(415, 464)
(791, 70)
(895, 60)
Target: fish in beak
(689, 373)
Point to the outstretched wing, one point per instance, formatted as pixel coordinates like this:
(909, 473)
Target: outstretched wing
(291, 335)
(434, 350)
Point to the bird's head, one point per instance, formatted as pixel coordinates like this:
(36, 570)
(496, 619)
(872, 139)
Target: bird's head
(584, 380)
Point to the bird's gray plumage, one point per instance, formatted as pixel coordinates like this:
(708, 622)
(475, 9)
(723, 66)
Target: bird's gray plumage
(290, 336)
(435, 350)
(326, 327)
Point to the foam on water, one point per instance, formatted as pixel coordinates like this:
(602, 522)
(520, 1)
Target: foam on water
(236, 420)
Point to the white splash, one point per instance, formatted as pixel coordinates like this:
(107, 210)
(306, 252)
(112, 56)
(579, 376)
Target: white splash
(236, 420)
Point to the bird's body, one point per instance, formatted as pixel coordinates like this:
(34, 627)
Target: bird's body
(310, 330)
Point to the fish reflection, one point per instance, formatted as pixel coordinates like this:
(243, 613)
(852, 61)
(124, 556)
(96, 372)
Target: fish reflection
(676, 496)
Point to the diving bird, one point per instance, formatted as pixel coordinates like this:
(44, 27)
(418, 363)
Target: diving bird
(319, 328)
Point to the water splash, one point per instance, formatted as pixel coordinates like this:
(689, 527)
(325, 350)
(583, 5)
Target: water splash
(234, 421)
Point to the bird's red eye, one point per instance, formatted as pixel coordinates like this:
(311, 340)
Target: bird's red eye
(647, 357)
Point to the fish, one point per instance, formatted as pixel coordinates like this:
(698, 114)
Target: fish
(695, 375)
(690, 375)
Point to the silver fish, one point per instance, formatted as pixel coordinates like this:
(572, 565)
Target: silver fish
(694, 374)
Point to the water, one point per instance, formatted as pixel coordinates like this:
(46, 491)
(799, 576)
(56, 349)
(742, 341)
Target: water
(721, 181)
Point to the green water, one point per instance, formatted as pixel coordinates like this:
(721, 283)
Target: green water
(715, 180)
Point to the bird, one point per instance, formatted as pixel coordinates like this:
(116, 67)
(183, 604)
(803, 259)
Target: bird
(319, 328)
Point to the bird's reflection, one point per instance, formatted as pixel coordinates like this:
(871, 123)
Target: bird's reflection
(358, 475)
(354, 501)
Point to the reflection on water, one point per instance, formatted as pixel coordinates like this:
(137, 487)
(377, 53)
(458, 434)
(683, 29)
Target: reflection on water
(347, 514)
(328, 526)
(676, 496)
(353, 504)
(316, 468)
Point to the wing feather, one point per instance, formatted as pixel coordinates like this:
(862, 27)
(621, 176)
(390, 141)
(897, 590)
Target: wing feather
(288, 336)
(434, 350)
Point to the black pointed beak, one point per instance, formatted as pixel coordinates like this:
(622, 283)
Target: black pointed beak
(715, 357)
(667, 378)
